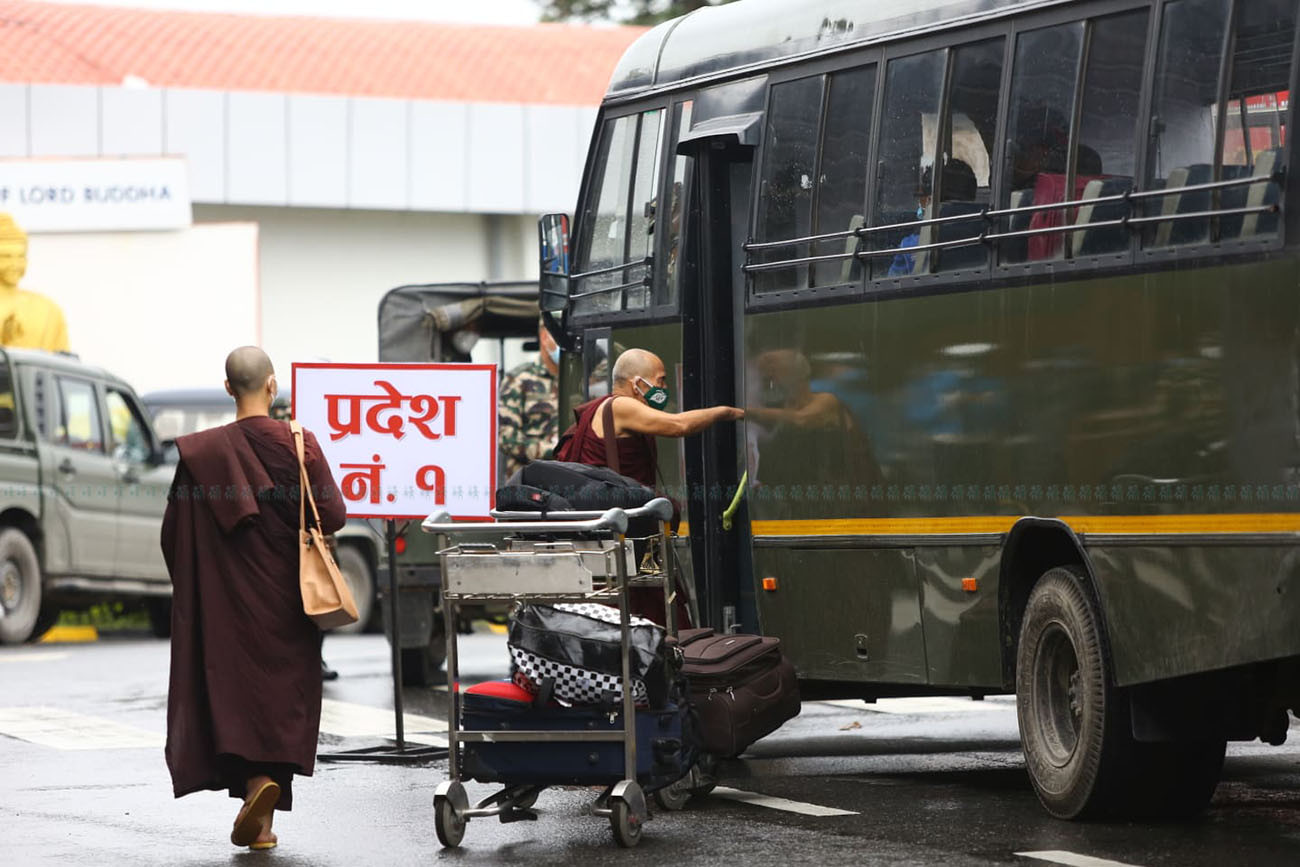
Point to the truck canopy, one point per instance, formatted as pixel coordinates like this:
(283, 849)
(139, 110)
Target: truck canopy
(416, 322)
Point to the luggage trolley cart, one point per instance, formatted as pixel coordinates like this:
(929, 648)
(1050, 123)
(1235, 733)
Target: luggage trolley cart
(586, 557)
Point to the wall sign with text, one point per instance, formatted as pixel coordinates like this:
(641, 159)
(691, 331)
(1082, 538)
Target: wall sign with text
(404, 440)
(96, 195)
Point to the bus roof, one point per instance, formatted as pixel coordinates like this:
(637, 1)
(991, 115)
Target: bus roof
(716, 40)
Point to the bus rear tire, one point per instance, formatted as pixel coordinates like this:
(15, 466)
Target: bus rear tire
(1074, 725)
(1065, 706)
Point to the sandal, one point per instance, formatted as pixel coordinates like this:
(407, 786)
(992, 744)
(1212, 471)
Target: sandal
(248, 824)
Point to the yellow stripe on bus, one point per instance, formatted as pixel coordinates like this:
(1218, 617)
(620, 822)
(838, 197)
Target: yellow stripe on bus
(1278, 522)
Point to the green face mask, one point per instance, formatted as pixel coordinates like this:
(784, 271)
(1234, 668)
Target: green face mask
(655, 395)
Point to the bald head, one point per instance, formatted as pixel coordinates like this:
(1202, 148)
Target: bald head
(637, 362)
(247, 370)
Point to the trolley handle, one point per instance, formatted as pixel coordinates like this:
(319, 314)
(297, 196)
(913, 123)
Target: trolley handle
(660, 508)
(612, 520)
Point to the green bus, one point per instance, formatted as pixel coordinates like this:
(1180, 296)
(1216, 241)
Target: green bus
(1010, 293)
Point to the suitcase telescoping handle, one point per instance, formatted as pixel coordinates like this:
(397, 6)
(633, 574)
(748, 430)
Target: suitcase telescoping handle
(660, 508)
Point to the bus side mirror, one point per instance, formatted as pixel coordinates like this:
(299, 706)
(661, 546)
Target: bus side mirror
(553, 233)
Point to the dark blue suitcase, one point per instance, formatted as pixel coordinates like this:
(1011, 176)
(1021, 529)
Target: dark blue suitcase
(665, 748)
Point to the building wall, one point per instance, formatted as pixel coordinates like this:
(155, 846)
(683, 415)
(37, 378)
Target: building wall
(323, 272)
(287, 149)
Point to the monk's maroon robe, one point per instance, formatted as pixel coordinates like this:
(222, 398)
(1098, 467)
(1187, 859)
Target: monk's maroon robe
(245, 660)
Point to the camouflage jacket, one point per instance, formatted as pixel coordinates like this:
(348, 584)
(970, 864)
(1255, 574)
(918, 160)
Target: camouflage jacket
(527, 416)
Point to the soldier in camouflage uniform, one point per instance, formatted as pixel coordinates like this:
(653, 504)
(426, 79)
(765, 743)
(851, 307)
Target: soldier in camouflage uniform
(528, 415)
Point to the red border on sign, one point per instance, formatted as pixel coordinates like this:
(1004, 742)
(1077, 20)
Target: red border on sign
(391, 365)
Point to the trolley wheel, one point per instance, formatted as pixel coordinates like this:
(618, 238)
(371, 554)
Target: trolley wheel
(447, 822)
(450, 803)
(674, 797)
(625, 824)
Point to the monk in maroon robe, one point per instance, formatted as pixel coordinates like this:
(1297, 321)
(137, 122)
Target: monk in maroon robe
(635, 408)
(243, 705)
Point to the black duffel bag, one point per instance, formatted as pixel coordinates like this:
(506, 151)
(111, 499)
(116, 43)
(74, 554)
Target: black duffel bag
(584, 487)
(579, 648)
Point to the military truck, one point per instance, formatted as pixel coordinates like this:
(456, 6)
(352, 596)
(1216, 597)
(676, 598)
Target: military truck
(83, 486)
(445, 322)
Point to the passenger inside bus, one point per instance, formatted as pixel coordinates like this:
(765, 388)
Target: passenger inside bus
(958, 186)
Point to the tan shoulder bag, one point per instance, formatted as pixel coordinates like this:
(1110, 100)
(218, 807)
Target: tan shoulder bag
(325, 595)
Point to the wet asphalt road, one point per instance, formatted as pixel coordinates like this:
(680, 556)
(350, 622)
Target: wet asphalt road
(923, 782)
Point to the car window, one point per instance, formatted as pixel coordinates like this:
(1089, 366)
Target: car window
(128, 430)
(79, 425)
(173, 421)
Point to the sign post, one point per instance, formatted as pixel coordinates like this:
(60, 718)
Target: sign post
(403, 441)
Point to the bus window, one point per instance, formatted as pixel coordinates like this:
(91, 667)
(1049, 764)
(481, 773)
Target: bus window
(972, 119)
(645, 192)
(1182, 128)
(1112, 88)
(912, 91)
(1255, 128)
(618, 218)
(842, 171)
(1038, 137)
(789, 166)
(670, 277)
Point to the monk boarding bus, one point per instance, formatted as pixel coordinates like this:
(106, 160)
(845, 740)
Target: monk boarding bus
(1010, 293)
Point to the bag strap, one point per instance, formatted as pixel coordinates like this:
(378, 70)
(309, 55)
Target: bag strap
(304, 486)
(611, 446)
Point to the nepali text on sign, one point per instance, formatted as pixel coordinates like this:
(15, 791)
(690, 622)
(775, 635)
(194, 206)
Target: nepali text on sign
(404, 440)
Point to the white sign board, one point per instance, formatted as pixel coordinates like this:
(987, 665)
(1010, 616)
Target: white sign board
(54, 195)
(404, 440)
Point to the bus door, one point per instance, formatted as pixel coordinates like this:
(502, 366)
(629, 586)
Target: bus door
(713, 304)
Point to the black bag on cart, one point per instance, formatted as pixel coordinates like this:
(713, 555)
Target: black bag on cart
(585, 487)
(741, 687)
(578, 647)
(665, 746)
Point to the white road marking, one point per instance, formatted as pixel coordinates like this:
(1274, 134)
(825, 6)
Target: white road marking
(65, 730)
(927, 704)
(1072, 859)
(33, 657)
(775, 803)
(348, 720)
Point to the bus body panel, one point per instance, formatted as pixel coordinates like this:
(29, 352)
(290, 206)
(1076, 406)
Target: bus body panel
(845, 615)
(1178, 610)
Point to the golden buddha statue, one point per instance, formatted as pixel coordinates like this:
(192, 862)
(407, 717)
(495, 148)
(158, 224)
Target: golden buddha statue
(27, 319)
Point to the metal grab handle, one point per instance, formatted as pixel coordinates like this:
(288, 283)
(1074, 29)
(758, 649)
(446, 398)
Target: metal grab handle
(66, 467)
(730, 513)
(613, 520)
(660, 508)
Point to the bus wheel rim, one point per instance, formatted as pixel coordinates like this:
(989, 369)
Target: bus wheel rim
(1058, 696)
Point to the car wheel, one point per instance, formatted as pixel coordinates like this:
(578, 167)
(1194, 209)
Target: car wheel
(25, 619)
(361, 581)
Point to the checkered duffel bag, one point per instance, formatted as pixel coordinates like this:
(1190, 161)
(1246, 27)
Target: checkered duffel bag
(577, 647)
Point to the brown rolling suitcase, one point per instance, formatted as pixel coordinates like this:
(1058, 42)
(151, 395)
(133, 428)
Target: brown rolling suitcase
(741, 687)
